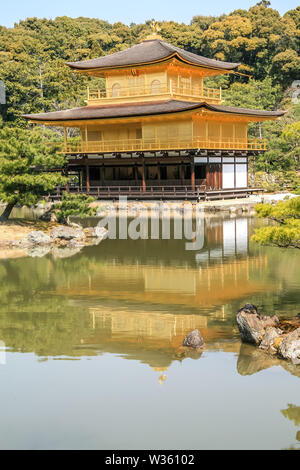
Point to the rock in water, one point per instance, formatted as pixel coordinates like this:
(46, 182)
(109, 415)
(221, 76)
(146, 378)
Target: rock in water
(38, 251)
(289, 348)
(66, 233)
(271, 339)
(193, 340)
(96, 232)
(35, 238)
(89, 232)
(252, 325)
(270, 333)
(66, 252)
(101, 232)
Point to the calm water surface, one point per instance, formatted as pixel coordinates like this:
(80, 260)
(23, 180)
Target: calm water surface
(92, 346)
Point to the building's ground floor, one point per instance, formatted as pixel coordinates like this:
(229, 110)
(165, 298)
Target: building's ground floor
(210, 172)
(153, 176)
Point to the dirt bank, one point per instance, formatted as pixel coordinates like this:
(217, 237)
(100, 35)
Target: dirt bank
(15, 229)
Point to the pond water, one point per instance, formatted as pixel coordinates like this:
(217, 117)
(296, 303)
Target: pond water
(90, 346)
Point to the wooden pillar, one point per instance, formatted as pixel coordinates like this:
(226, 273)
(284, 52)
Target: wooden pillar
(86, 139)
(143, 175)
(181, 169)
(235, 172)
(220, 175)
(87, 172)
(135, 174)
(158, 171)
(102, 174)
(193, 175)
(67, 184)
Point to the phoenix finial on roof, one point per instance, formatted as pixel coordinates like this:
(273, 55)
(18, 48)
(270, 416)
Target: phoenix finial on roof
(155, 30)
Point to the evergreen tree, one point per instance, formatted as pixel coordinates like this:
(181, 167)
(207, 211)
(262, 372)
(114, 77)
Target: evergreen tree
(287, 231)
(26, 168)
(74, 205)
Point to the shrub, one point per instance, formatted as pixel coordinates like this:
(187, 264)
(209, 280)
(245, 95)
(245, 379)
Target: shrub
(276, 181)
(287, 215)
(74, 205)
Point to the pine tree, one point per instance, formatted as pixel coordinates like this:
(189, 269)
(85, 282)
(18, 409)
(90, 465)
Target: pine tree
(27, 168)
(74, 205)
(287, 231)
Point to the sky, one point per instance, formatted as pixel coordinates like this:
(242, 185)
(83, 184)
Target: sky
(130, 11)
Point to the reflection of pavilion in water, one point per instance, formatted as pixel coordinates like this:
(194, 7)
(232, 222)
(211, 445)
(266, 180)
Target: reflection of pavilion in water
(144, 310)
(230, 238)
(211, 284)
(153, 337)
(223, 271)
(220, 272)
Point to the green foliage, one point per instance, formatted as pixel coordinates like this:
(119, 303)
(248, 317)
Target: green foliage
(255, 94)
(259, 38)
(287, 215)
(283, 143)
(283, 151)
(34, 316)
(74, 205)
(275, 181)
(285, 237)
(26, 162)
(33, 55)
(281, 212)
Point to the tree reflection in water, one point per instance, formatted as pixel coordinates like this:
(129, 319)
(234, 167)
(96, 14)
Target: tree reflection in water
(140, 298)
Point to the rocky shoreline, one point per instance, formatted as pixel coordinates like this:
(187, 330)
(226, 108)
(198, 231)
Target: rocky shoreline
(277, 337)
(61, 240)
(231, 206)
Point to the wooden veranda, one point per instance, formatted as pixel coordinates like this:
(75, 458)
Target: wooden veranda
(156, 192)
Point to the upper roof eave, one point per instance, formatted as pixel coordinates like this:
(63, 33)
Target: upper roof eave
(146, 53)
(74, 66)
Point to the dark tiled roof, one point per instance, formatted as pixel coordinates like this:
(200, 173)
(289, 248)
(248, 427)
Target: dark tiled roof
(142, 109)
(147, 52)
(248, 111)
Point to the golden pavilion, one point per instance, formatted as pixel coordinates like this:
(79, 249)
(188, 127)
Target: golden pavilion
(154, 129)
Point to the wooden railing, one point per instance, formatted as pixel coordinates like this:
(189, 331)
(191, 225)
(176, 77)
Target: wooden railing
(144, 145)
(148, 182)
(197, 192)
(213, 95)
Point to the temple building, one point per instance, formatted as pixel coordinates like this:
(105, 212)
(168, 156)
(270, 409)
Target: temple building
(153, 128)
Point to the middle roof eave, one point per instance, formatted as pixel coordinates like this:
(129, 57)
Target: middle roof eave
(143, 109)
